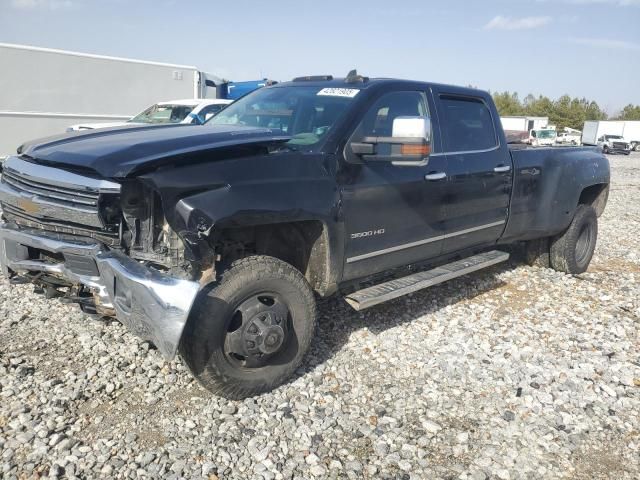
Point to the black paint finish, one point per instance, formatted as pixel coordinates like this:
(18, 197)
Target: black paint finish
(212, 177)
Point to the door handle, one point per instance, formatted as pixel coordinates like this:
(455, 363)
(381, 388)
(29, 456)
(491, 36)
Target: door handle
(502, 168)
(435, 176)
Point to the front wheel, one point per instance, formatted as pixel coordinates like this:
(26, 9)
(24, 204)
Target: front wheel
(251, 331)
(571, 251)
(605, 149)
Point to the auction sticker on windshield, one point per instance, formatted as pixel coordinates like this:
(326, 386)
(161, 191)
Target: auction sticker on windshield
(339, 92)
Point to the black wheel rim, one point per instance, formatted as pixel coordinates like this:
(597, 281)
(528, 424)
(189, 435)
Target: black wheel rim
(583, 244)
(258, 330)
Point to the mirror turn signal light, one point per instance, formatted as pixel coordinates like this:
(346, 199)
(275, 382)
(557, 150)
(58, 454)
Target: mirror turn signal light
(410, 149)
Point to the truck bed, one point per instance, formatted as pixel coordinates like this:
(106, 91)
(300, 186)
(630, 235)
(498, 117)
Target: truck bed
(547, 184)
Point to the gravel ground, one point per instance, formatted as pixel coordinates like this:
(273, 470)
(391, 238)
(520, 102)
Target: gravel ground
(515, 372)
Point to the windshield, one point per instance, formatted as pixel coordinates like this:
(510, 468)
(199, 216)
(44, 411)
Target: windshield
(163, 114)
(305, 113)
(613, 137)
(546, 133)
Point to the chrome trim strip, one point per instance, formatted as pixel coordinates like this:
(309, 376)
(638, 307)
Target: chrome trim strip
(404, 246)
(473, 229)
(465, 152)
(57, 177)
(364, 256)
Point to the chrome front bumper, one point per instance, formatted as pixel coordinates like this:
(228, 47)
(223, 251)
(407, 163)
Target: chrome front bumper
(152, 305)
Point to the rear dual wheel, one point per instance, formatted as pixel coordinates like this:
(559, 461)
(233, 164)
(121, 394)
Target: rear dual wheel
(571, 251)
(251, 331)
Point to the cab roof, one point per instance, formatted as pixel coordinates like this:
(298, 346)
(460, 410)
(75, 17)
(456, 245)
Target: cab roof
(363, 83)
(319, 81)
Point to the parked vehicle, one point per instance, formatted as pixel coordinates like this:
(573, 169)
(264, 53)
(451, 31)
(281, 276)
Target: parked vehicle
(175, 111)
(212, 240)
(518, 129)
(614, 144)
(569, 136)
(631, 133)
(542, 137)
(524, 123)
(43, 91)
(627, 129)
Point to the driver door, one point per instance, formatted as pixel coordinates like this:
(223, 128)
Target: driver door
(394, 214)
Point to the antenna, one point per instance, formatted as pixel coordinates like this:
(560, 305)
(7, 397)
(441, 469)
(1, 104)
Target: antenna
(353, 77)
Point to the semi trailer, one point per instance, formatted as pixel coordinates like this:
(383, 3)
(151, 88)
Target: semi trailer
(43, 91)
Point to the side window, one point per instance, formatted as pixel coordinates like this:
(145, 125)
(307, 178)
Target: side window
(467, 124)
(378, 121)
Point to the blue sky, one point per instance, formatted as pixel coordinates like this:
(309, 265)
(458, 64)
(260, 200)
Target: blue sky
(581, 47)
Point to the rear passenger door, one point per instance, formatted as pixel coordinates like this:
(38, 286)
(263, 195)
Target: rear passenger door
(479, 172)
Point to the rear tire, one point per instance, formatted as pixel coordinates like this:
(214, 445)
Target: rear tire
(571, 252)
(537, 253)
(252, 330)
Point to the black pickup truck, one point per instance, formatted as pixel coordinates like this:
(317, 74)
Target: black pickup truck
(213, 240)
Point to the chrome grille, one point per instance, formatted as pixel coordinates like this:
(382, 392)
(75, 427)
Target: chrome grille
(39, 196)
(44, 190)
(620, 145)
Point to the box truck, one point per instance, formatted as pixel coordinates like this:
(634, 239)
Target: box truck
(524, 124)
(629, 130)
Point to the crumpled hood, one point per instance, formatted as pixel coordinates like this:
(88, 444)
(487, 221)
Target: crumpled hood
(120, 152)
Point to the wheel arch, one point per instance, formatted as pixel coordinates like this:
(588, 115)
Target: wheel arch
(595, 195)
(304, 244)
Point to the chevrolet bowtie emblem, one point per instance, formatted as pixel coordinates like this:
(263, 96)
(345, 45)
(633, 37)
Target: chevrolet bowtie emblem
(28, 206)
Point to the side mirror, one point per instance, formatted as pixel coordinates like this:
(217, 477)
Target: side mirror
(408, 145)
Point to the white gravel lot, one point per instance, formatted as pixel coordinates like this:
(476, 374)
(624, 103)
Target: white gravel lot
(515, 372)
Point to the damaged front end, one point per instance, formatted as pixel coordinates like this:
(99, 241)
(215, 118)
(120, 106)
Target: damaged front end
(103, 245)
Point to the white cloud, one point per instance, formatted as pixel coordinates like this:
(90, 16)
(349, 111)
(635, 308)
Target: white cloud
(510, 23)
(41, 4)
(606, 43)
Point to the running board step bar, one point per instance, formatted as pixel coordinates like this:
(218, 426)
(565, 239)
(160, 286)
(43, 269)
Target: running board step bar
(370, 296)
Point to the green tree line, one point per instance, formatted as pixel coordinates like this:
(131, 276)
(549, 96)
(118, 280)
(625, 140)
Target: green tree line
(562, 112)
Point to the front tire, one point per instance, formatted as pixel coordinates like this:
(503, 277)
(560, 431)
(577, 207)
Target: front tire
(252, 330)
(605, 149)
(571, 251)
